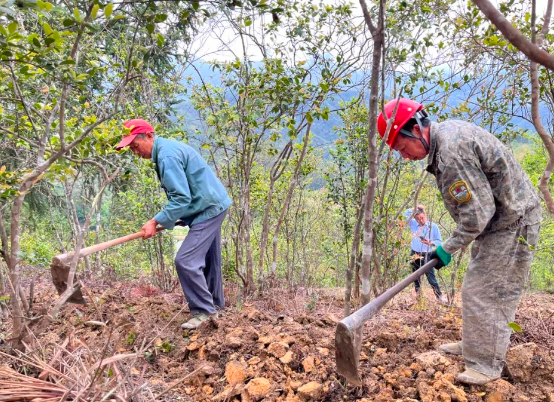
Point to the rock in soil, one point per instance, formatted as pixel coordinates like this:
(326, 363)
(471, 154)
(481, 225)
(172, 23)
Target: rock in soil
(256, 389)
(235, 372)
(528, 362)
(310, 391)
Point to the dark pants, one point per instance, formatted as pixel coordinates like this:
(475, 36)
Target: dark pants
(418, 263)
(198, 264)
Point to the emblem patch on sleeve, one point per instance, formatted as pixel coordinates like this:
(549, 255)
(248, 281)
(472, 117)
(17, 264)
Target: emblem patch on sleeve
(460, 191)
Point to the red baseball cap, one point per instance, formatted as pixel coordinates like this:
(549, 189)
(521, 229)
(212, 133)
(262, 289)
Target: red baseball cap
(137, 126)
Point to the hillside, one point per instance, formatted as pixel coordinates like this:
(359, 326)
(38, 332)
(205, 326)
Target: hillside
(279, 348)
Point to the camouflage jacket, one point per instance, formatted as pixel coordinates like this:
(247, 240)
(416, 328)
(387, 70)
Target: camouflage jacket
(483, 186)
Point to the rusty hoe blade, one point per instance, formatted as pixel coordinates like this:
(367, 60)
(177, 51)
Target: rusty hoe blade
(347, 352)
(348, 335)
(59, 269)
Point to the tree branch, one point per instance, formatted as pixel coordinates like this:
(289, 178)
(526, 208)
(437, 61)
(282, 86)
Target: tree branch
(514, 36)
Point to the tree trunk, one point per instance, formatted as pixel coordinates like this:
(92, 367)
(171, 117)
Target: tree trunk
(247, 231)
(378, 40)
(351, 270)
(17, 313)
(98, 260)
(288, 197)
(4, 251)
(535, 98)
(276, 171)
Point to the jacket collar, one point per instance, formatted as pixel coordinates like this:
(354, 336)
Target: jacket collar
(154, 157)
(432, 147)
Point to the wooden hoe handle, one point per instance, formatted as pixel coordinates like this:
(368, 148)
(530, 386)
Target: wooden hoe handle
(107, 244)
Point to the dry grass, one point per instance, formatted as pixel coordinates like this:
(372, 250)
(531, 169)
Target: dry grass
(74, 373)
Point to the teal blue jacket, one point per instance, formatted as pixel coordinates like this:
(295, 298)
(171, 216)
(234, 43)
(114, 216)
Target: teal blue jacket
(194, 193)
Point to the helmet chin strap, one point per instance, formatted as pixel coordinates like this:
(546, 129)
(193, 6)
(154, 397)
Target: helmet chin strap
(407, 133)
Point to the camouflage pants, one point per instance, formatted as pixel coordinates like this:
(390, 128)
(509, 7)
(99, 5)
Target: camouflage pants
(491, 291)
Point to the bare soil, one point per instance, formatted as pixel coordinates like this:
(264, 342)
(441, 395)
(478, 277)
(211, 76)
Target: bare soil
(281, 347)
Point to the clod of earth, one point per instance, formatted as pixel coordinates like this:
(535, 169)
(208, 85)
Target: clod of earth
(310, 391)
(278, 349)
(256, 389)
(235, 372)
(529, 361)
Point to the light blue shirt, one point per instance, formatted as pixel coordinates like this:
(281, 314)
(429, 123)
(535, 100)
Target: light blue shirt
(428, 231)
(194, 193)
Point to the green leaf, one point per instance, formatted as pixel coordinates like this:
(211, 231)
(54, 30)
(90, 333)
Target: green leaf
(150, 28)
(247, 22)
(44, 5)
(160, 18)
(47, 29)
(36, 42)
(12, 26)
(309, 117)
(67, 62)
(160, 40)
(195, 5)
(515, 326)
(68, 22)
(108, 10)
(3, 31)
(76, 13)
(49, 41)
(94, 11)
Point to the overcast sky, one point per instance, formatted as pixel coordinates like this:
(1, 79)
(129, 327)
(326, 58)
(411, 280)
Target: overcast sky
(218, 41)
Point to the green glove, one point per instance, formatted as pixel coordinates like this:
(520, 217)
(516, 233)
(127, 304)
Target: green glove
(441, 255)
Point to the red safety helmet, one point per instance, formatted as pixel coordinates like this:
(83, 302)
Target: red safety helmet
(406, 110)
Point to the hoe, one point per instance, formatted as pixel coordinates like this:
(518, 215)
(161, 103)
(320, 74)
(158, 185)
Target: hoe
(59, 267)
(348, 336)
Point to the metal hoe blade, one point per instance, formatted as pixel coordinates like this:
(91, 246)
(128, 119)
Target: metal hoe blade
(60, 272)
(59, 268)
(348, 335)
(347, 346)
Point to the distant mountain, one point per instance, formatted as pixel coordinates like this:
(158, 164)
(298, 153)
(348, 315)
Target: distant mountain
(323, 131)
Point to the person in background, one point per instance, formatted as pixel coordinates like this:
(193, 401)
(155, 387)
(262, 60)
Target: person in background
(197, 198)
(425, 237)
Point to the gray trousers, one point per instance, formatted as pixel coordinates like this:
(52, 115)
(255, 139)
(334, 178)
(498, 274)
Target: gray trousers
(198, 264)
(492, 288)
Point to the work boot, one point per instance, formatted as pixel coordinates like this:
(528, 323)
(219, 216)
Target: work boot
(454, 348)
(443, 299)
(473, 377)
(198, 319)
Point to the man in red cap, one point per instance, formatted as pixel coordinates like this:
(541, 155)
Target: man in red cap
(495, 205)
(196, 197)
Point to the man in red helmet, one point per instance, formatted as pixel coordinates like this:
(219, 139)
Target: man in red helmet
(196, 197)
(495, 205)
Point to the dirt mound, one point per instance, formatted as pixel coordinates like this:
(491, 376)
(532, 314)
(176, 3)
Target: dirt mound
(256, 352)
